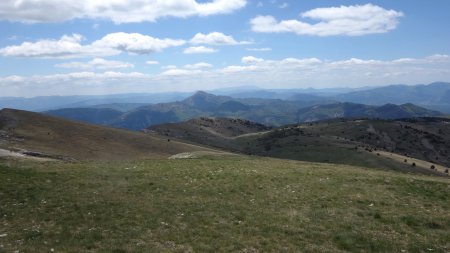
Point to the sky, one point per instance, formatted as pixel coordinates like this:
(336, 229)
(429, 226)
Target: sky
(65, 47)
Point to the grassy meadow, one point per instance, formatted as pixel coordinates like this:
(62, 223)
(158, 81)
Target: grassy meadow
(219, 204)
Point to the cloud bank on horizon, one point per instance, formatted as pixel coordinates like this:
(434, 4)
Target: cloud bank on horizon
(99, 46)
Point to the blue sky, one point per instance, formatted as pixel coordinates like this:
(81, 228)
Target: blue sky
(50, 47)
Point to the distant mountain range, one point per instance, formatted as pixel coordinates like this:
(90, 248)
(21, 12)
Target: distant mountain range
(435, 96)
(266, 111)
(45, 103)
(273, 112)
(351, 110)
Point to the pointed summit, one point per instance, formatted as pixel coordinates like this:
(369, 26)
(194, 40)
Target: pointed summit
(203, 100)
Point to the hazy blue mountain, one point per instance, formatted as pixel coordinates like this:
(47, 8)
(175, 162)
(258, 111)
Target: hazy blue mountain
(122, 107)
(352, 110)
(434, 96)
(140, 119)
(144, 98)
(205, 101)
(256, 92)
(39, 103)
(98, 116)
(46, 103)
(267, 111)
(272, 112)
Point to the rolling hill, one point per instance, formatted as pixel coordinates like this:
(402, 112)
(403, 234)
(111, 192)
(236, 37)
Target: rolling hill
(112, 198)
(49, 136)
(367, 142)
(215, 132)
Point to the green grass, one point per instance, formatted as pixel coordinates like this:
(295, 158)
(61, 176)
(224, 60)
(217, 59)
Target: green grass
(213, 204)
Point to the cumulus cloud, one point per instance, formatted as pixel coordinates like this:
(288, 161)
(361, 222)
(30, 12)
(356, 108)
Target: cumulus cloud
(70, 46)
(118, 11)
(284, 73)
(354, 20)
(216, 39)
(136, 43)
(97, 63)
(251, 60)
(199, 50)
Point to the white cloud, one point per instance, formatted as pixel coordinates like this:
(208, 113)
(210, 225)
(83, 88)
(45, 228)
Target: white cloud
(354, 20)
(136, 43)
(200, 65)
(152, 62)
(180, 72)
(262, 49)
(70, 46)
(199, 50)
(118, 11)
(216, 39)
(234, 69)
(438, 57)
(251, 60)
(97, 63)
(284, 73)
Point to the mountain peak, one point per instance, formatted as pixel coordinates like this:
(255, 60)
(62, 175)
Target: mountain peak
(204, 100)
(201, 93)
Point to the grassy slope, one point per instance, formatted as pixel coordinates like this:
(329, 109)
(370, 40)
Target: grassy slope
(235, 204)
(214, 132)
(57, 136)
(326, 149)
(421, 139)
(335, 142)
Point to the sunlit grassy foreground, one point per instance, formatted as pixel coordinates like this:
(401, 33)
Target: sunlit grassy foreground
(231, 204)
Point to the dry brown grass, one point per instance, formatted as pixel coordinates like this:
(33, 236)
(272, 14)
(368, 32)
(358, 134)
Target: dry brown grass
(60, 137)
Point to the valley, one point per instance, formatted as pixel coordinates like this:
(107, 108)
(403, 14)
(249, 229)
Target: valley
(337, 185)
(237, 126)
